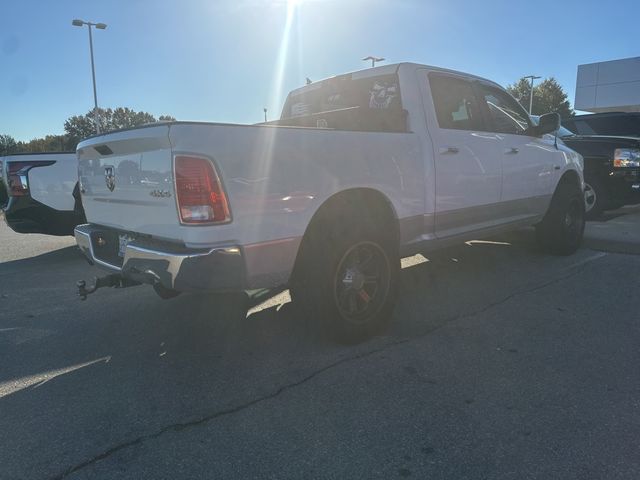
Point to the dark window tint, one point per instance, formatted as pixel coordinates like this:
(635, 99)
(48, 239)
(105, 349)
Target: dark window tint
(506, 114)
(377, 93)
(583, 128)
(607, 125)
(455, 102)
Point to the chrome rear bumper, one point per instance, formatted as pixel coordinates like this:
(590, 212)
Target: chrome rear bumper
(172, 266)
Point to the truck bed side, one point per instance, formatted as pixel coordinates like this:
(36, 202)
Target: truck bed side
(275, 179)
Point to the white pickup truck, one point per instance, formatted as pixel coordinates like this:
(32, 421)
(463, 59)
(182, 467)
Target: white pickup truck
(42, 194)
(360, 170)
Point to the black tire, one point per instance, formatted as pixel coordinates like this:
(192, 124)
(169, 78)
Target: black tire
(562, 228)
(596, 197)
(4, 196)
(348, 280)
(165, 293)
(615, 204)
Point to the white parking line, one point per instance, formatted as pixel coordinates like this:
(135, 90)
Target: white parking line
(39, 379)
(593, 257)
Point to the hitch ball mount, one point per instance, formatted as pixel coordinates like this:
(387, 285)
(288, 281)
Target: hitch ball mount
(114, 280)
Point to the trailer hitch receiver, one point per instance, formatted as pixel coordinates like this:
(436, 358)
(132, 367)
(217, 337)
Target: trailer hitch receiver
(114, 280)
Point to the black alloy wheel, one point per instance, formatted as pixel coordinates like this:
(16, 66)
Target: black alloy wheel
(361, 282)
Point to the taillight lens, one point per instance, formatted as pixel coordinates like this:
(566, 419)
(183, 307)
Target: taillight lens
(17, 176)
(201, 198)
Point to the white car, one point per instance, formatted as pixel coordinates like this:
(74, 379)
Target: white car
(360, 170)
(42, 195)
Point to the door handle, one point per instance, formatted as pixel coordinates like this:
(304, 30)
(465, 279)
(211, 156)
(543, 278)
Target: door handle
(511, 151)
(448, 150)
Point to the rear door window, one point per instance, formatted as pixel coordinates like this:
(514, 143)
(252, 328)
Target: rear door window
(455, 102)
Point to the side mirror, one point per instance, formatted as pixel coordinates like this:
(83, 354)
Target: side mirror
(548, 123)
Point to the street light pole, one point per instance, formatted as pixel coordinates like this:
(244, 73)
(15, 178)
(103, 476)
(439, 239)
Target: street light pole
(96, 115)
(373, 59)
(532, 77)
(101, 26)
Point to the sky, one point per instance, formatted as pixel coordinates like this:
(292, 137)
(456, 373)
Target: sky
(226, 60)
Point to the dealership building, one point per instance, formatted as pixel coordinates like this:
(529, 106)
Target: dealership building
(612, 86)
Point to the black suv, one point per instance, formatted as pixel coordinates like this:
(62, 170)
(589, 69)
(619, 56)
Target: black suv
(615, 123)
(610, 145)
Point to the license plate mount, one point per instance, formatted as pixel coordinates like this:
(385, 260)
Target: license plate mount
(123, 241)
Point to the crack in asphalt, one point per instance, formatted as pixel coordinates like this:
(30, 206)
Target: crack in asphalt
(176, 427)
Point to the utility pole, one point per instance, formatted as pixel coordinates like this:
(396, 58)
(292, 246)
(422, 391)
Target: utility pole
(532, 77)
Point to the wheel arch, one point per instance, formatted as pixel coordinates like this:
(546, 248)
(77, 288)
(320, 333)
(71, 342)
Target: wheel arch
(571, 177)
(367, 203)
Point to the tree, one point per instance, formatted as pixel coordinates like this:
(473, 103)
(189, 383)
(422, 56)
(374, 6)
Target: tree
(127, 118)
(548, 96)
(49, 143)
(79, 127)
(8, 145)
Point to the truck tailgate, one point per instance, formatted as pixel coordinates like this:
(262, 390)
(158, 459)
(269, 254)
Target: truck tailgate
(126, 181)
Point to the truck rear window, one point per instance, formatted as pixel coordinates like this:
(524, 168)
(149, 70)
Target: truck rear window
(380, 92)
(343, 103)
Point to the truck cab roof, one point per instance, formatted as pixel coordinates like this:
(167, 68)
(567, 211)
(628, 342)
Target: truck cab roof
(384, 70)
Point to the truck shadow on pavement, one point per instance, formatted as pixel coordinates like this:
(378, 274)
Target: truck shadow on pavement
(191, 330)
(125, 364)
(55, 258)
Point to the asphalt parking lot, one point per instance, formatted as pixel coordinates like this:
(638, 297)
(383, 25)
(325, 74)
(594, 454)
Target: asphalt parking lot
(502, 363)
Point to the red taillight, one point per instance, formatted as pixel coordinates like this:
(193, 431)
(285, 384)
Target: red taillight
(201, 198)
(17, 175)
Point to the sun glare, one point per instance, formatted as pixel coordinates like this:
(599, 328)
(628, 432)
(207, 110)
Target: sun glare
(268, 137)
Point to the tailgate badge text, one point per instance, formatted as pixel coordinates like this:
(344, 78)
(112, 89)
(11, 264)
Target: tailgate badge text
(160, 193)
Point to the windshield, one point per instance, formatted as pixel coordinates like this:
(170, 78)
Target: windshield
(565, 132)
(618, 124)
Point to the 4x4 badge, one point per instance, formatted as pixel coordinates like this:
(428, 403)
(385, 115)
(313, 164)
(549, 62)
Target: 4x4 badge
(110, 178)
(160, 193)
